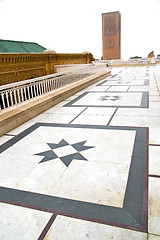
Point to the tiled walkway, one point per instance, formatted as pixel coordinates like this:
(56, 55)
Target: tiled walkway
(88, 168)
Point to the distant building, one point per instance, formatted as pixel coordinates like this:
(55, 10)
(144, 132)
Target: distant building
(9, 46)
(151, 55)
(111, 35)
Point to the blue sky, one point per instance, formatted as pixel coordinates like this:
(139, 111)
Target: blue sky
(76, 26)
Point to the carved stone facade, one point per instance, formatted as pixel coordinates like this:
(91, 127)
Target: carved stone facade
(18, 66)
(111, 35)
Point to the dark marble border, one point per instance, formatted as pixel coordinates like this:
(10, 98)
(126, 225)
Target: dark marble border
(133, 215)
(146, 83)
(143, 104)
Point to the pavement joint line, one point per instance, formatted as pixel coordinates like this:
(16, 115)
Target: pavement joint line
(156, 145)
(112, 117)
(155, 176)
(77, 115)
(47, 227)
(128, 88)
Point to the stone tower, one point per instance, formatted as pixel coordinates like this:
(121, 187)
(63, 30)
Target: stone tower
(111, 35)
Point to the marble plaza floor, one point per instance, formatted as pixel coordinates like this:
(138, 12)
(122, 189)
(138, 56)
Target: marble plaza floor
(88, 168)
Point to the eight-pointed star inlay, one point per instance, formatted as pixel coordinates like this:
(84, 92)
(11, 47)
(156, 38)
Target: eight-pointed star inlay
(74, 149)
(111, 98)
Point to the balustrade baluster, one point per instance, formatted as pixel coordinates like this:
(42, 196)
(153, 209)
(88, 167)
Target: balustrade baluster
(11, 95)
(34, 87)
(7, 99)
(19, 99)
(3, 101)
(25, 93)
(22, 97)
(31, 91)
(15, 97)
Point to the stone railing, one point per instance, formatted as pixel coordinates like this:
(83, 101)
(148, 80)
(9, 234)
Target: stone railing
(16, 94)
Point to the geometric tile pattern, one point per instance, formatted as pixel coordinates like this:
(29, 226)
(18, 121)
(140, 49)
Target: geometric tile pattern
(109, 99)
(67, 159)
(129, 97)
(132, 215)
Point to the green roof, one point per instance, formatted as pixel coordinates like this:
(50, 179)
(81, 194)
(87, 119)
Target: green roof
(9, 46)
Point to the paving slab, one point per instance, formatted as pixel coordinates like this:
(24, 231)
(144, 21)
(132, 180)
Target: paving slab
(87, 168)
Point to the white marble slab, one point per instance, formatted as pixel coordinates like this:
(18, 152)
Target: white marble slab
(21, 223)
(118, 88)
(154, 122)
(154, 112)
(100, 88)
(132, 112)
(154, 160)
(154, 105)
(69, 110)
(154, 135)
(101, 183)
(14, 167)
(154, 98)
(55, 118)
(153, 237)
(139, 89)
(5, 138)
(76, 229)
(154, 206)
(43, 177)
(137, 121)
(99, 111)
(92, 119)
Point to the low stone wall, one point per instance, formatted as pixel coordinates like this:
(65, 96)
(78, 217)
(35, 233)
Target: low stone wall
(19, 66)
(133, 65)
(69, 67)
(15, 117)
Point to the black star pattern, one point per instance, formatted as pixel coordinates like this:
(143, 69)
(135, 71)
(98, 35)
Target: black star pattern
(51, 155)
(104, 98)
(127, 82)
(111, 98)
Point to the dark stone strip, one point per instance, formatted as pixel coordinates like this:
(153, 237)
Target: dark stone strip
(101, 83)
(133, 201)
(146, 82)
(62, 206)
(137, 185)
(55, 212)
(144, 100)
(14, 140)
(127, 128)
(76, 99)
(47, 227)
(145, 191)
